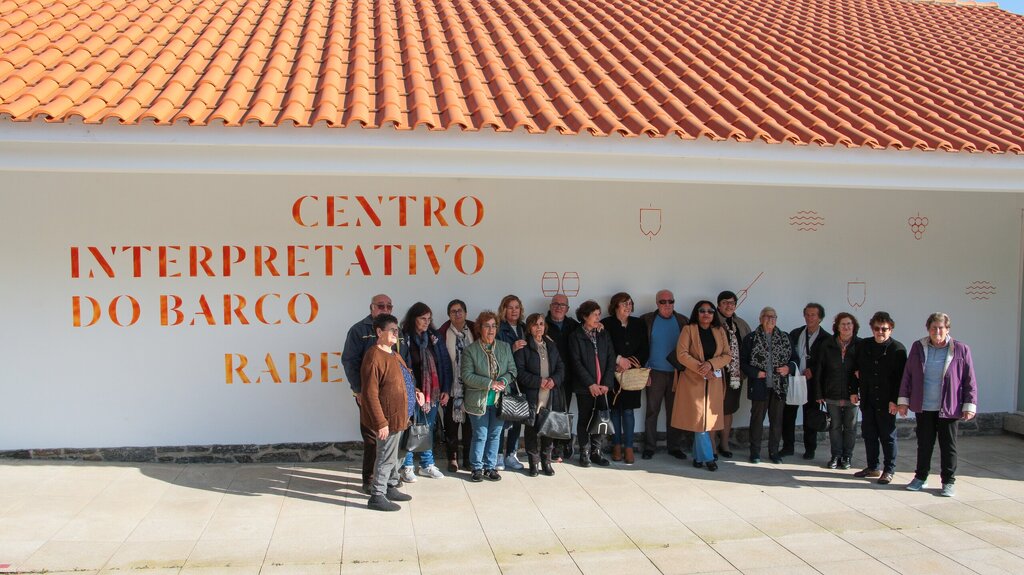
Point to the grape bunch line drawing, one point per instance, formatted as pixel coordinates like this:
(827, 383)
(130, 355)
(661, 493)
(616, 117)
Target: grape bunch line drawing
(917, 225)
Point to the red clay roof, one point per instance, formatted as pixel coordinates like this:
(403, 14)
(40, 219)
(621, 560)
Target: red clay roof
(878, 73)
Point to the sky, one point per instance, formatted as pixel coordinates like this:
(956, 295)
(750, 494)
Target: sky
(1015, 6)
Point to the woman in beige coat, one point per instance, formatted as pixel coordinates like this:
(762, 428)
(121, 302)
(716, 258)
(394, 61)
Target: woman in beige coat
(700, 390)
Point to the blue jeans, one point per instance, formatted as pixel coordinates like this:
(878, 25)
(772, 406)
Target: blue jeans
(512, 431)
(623, 421)
(702, 451)
(483, 452)
(426, 457)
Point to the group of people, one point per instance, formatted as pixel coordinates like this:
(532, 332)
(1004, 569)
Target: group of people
(455, 376)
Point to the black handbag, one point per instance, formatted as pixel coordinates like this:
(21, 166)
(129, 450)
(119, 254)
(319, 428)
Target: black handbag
(417, 437)
(601, 420)
(513, 405)
(553, 424)
(818, 419)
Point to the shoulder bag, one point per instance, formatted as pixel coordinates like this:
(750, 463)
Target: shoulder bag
(513, 405)
(553, 424)
(601, 420)
(417, 437)
(818, 419)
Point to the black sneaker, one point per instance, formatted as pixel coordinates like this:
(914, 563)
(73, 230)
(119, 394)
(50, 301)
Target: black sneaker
(786, 451)
(492, 475)
(677, 453)
(833, 463)
(755, 459)
(394, 494)
(477, 476)
(776, 460)
(381, 503)
(725, 453)
(844, 463)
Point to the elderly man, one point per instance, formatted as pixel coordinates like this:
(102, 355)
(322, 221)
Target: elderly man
(663, 327)
(805, 342)
(560, 326)
(362, 337)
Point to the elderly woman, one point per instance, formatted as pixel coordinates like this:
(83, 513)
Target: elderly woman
(629, 340)
(879, 363)
(487, 367)
(703, 349)
(386, 402)
(432, 367)
(458, 334)
(767, 360)
(834, 383)
(512, 331)
(541, 373)
(592, 359)
(940, 387)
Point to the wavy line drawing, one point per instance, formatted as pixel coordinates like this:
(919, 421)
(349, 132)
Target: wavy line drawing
(980, 290)
(807, 221)
(917, 225)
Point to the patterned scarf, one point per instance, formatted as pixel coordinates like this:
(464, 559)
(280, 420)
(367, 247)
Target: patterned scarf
(734, 352)
(431, 383)
(769, 353)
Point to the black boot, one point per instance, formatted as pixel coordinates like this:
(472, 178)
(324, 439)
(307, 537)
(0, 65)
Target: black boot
(545, 464)
(584, 457)
(534, 465)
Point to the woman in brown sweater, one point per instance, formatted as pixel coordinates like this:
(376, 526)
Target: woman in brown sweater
(386, 403)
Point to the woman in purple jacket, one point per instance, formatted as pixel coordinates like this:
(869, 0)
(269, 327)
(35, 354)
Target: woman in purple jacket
(939, 387)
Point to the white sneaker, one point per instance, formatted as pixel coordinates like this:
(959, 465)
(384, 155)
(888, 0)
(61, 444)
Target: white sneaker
(407, 475)
(512, 462)
(500, 465)
(431, 471)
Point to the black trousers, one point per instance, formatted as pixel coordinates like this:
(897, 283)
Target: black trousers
(878, 429)
(789, 427)
(773, 407)
(929, 428)
(586, 404)
(454, 446)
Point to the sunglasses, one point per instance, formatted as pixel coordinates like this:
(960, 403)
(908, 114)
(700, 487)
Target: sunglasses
(705, 310)
(666, 301)
(383, 306)
(881, 328)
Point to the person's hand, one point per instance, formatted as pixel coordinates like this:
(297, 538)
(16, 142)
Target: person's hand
(420, 398)
(383, 433)
(761, 375)
(622, 364)
(705, 369)
(892, 408)
(518, 344)
(807, 373)
(444, 398)
(595, 390)
(856, 374)
(854, 398)
(603, 388)
(821, 401)
(548, 383)
(968, 415)
(784, 370)
(498, 385)
(902, 409)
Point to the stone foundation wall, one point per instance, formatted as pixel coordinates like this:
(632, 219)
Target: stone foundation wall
(984, 424)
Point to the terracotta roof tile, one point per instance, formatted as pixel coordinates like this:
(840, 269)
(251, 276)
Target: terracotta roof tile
(879, 73)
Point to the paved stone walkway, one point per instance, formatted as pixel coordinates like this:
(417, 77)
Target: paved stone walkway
(658, 516)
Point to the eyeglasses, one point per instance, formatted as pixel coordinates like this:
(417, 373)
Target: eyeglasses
(457, 312)
(489, 326)
(771, 317)
(705, 310)
(560, 305)
(881, 328)
(391, 330)
(666, 301)
(383, 306)
(728, 302)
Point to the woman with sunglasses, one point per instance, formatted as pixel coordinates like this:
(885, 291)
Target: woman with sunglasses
(703, 350)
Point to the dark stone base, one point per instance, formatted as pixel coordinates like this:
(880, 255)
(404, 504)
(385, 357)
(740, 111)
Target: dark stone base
(273, 453)
(984, 424)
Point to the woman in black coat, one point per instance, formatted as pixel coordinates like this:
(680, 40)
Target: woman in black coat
(629, 338)
(541, 372)
(835, 382)
(592, 359)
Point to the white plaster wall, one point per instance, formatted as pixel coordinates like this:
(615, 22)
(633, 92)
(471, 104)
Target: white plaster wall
(151, 385)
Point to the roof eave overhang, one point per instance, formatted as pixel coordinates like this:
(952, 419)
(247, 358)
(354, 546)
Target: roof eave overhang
(77, 147)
